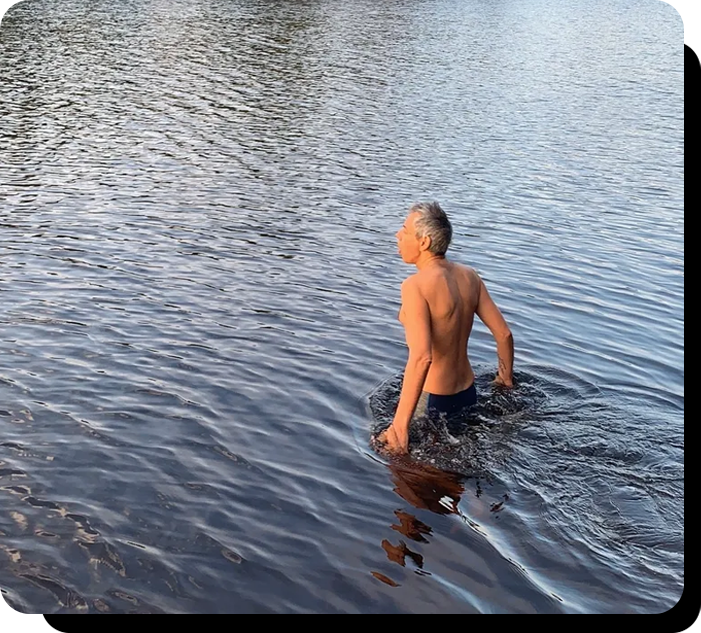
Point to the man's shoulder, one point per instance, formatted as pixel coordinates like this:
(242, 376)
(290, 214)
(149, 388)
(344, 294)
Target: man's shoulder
(466, 272)
(416, 286)
(411, 281)
(465, 268)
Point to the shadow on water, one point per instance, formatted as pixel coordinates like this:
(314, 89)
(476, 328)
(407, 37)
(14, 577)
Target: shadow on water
(589, 481)
(440, 492)
(448, 456)
(425, 488)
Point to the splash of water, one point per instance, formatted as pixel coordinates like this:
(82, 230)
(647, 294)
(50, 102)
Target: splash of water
(469, 442)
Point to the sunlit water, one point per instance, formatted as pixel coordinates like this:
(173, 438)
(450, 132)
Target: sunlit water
(199, 288)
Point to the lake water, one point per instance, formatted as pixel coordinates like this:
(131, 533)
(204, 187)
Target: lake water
(199, 287)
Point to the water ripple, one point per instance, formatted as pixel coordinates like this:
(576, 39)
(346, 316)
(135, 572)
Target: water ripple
(199, 282)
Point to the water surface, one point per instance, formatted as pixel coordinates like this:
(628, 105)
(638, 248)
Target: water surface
(199, 287)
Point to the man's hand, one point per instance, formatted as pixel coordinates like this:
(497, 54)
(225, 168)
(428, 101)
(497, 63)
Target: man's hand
(501, 382)
(393, 441)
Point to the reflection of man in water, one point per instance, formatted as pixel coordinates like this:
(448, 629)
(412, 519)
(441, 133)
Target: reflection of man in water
(439, 303)
(426, 487)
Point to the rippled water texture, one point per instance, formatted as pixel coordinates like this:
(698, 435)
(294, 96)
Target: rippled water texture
(199, 287)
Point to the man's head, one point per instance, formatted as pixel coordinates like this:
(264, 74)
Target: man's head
(426, 228)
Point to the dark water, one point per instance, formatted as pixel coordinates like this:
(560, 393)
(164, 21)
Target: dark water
(199, 288)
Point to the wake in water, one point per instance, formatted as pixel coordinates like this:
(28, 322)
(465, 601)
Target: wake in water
(467, 443)
(593, 476)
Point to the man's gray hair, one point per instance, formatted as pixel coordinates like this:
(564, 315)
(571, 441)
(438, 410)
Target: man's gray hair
(433, 222)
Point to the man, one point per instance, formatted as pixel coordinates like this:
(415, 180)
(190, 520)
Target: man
(439, 303)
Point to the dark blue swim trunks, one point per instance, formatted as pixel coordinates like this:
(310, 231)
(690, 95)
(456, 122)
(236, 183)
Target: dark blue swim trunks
(431, 404)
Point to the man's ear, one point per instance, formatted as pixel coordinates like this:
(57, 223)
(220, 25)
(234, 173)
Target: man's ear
(425, 242)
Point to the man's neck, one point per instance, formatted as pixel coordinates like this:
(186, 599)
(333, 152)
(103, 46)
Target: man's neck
(427, 259)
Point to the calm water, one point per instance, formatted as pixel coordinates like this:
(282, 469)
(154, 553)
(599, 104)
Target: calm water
(199, 287)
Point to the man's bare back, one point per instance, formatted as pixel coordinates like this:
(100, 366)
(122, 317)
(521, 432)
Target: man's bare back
(439, 303)
(452, 293)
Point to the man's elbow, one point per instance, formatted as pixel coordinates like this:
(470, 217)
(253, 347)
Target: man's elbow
(421, 359)
(504, 336)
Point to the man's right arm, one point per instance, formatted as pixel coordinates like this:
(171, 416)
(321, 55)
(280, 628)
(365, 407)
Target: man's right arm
(491, 316)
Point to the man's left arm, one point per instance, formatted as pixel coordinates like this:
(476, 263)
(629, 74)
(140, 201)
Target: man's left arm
(417, 323)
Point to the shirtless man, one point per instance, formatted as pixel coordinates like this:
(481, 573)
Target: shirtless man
(439, 303)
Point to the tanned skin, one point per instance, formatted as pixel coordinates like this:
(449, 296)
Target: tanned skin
(439, 303)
